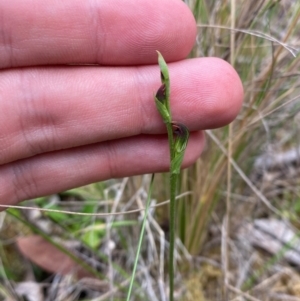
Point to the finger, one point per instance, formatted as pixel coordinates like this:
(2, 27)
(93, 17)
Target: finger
(94, 32)
(52, 109)
(58, 171)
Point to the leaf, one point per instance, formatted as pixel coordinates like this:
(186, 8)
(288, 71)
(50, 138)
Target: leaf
(47, 256)
(92, 239)
(163, 110)
(176, 163)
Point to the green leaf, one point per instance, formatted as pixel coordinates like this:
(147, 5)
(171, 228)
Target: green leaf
(176, 163)
(92, 239)
(163, 110)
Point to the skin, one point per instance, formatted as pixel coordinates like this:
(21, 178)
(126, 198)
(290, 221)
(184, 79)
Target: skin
(65, 126)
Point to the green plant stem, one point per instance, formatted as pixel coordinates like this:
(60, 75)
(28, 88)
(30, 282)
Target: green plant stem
(170, 138)
(140, 239)
(173, 183)
(172, 212)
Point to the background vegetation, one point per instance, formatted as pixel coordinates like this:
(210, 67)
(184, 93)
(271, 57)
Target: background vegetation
(239, 205)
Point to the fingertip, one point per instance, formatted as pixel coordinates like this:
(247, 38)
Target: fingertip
(206, 92)
(230, 92)
(166, 26)
(183, 33)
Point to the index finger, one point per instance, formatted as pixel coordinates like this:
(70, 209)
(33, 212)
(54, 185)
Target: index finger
(94, 32)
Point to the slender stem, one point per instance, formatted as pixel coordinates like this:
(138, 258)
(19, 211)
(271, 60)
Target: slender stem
(172, 213)
(140, 239)
(171, 142)
(173, 183)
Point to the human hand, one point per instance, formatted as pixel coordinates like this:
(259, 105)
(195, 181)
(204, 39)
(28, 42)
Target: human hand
(65, 126)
